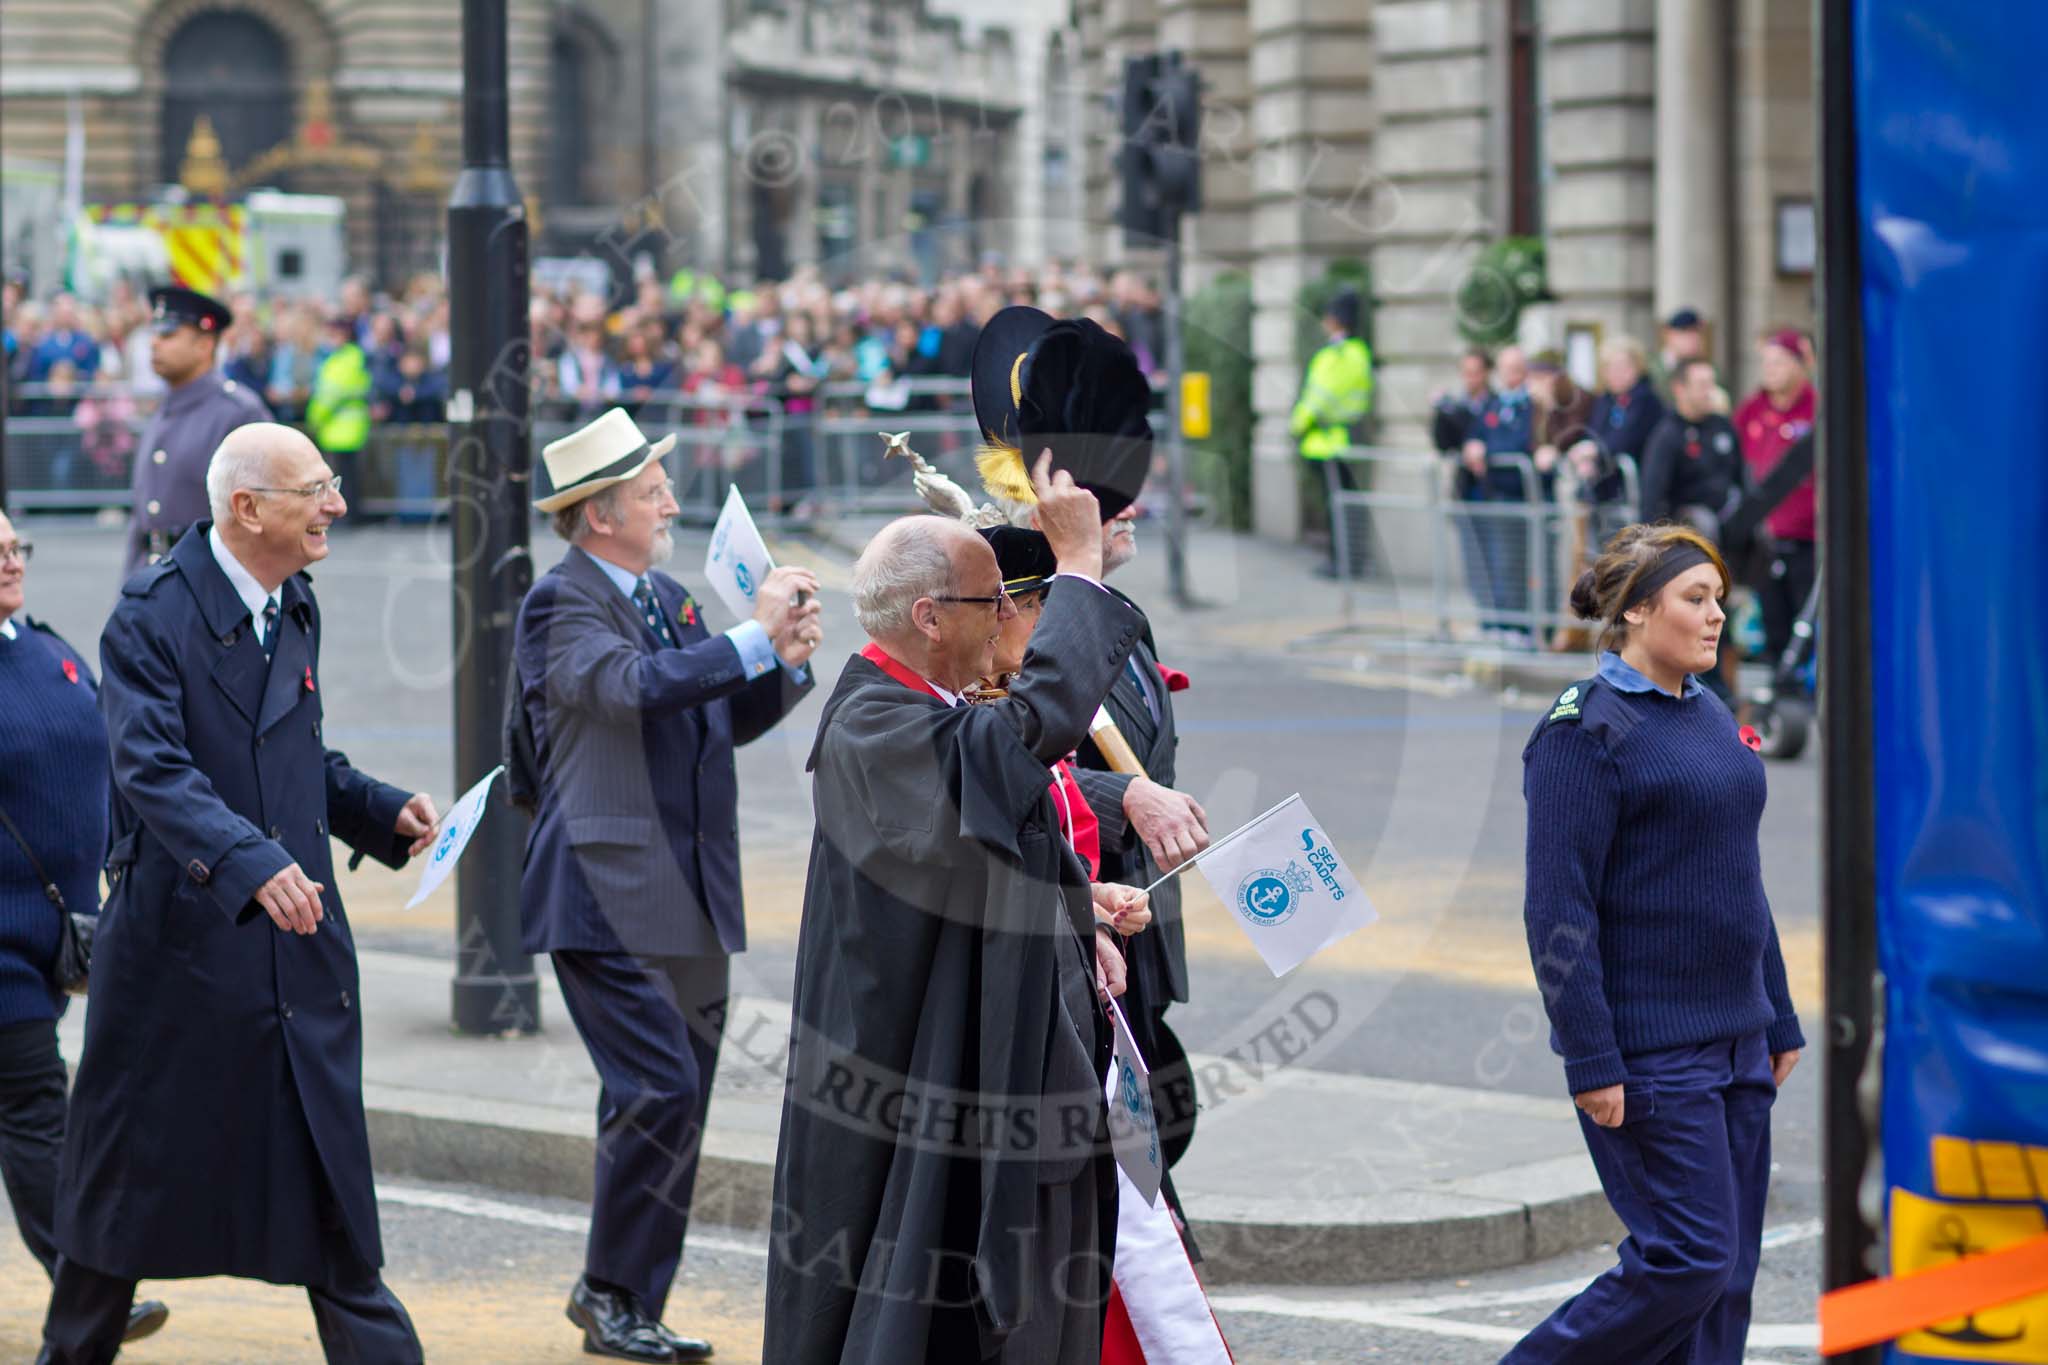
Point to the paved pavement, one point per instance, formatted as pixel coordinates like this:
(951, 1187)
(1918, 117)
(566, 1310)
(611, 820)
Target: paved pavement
(484, 1274)
(1296, 1174)
(1422, 1132)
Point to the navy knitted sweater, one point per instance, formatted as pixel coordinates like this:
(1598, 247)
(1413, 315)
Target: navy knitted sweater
(1645, 907)
(53, 784)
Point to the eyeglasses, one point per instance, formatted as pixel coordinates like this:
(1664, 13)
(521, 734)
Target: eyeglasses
(316, 491)
(665, 489)
(995, 600)
(17, 549)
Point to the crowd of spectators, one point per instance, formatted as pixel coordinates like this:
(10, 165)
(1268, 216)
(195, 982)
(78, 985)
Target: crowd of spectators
(1668, 415)
(689, 335)
(361, 361)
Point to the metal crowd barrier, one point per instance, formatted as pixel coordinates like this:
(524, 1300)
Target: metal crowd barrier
(1503, 560)
(788, 464)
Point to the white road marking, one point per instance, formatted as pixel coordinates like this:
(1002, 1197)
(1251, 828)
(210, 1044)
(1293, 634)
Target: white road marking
(470, 1206)
(1417, 1314)
(1406, 1315)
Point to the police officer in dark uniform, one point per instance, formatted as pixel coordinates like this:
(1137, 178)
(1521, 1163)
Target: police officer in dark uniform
(202, 407)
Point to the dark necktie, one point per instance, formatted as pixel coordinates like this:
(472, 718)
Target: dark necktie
(270, 628)
(650, 609)
(1137, 672)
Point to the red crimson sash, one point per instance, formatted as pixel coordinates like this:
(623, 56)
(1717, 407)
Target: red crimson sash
(903, 673)
(1083, 830)
(1077, 821)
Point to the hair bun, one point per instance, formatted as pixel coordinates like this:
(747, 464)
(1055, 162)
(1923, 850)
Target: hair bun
(1586, 598)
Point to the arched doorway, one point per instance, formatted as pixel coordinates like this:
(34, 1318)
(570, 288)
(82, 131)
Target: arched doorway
(234, 69)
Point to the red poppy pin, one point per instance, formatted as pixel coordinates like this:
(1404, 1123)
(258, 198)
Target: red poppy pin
(688, 614)
(70, 672)
(1750, 737)
(309, 677)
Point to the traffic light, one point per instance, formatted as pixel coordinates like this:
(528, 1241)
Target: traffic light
(1143, 223)
(1160, 165)
(1176, 146)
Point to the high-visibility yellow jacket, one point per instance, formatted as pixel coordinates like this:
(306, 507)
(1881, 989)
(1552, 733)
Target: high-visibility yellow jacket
(338, 410)
(1335, 397)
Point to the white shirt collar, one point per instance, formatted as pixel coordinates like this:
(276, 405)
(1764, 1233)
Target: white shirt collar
(7, 628)
(241, 580)
(950, 698)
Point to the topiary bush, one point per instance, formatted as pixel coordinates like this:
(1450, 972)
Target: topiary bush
(1507, 277)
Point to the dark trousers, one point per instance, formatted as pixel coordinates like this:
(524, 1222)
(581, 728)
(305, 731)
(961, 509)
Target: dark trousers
(1687, 1172)
(32, 1130)
(1782, 594)
(653, 1028)
(359, 1324)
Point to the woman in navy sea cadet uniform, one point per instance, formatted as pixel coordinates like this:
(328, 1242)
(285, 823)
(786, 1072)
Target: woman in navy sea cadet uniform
(53, 833)
(1658, 959)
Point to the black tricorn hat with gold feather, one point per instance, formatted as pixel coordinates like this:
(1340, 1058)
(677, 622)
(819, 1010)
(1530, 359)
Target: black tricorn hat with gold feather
(1068, 386)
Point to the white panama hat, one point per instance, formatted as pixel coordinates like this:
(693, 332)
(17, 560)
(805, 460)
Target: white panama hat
(610, 450)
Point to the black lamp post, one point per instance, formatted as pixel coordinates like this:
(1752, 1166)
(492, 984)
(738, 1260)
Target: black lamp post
(490, 460)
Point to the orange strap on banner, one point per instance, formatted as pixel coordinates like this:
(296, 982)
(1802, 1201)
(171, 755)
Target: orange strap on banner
(1879, 1310)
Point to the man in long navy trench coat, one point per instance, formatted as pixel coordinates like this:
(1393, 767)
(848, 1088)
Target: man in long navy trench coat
(217, 1120)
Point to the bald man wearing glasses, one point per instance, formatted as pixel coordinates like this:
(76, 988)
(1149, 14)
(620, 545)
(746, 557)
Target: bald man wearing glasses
(217, 1121)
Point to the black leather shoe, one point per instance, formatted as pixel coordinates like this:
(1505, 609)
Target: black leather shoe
(145, 1318)
(614, 1326)
(685, 1348)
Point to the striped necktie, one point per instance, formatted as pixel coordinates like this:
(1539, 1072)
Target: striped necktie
(650, 610)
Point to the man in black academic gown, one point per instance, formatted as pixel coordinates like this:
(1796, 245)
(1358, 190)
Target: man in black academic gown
(942, 1188)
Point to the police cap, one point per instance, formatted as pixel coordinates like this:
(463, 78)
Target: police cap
(175, 306)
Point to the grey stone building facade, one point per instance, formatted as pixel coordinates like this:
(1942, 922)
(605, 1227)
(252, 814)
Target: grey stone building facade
(738, 136)
(1662, 149)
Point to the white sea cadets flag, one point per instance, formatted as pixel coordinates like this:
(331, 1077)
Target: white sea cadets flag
(456, 826)
(738, 558)
(1133, 1127)
(1286, 885)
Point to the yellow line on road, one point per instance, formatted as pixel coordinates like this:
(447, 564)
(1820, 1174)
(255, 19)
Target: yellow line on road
(505, 1313)
(1462, 926)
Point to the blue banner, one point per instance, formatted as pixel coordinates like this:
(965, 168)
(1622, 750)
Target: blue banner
(1952, 152)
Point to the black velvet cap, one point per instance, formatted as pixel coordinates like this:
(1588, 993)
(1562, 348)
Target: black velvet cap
(1068, 386)
(1023, 556)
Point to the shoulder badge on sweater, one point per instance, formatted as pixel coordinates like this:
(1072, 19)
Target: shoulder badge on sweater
(1566, 707)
